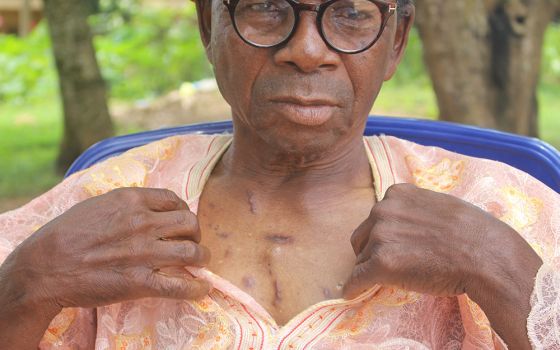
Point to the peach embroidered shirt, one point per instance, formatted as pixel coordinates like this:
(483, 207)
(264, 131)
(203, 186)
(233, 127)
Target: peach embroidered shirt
(381, 318)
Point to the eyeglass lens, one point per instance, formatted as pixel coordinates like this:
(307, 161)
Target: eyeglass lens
(347, 25)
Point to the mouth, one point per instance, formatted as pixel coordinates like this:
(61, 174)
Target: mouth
(305, 102)
(306, 111)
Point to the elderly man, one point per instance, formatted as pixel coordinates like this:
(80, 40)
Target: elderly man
(296, 232)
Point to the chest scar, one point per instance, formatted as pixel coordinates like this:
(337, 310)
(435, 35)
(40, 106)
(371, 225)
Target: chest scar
(280, 239)
(251, 201)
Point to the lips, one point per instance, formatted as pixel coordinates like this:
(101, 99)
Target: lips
(306, 111)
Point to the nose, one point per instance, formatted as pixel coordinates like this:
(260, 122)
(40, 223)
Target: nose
(306, 49)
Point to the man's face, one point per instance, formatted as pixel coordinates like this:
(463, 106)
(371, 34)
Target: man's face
(301, 97)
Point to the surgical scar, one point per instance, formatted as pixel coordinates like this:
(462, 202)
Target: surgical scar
(223, 235)
(280, 239)
(252, 202)
(277, 294)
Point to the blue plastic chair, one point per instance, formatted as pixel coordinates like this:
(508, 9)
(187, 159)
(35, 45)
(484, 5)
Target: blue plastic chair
(528, 154)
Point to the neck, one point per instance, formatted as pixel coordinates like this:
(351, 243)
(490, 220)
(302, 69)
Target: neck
(252, 163)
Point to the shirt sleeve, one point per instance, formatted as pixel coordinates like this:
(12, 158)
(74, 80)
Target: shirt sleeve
(72, 328)
(533, 210)
(511, 195)
(75, 328)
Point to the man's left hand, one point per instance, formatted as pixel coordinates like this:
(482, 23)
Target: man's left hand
(437, 244)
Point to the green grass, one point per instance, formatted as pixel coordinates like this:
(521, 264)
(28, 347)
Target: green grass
(29, 137)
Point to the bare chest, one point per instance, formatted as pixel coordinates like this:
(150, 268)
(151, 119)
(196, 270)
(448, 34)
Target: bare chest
(285, 265)
(284, 273)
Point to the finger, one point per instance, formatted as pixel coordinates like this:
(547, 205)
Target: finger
(177, 225)
(360, 281)
(360, 236)
(157, 199)
(184, 287)
(179, 253)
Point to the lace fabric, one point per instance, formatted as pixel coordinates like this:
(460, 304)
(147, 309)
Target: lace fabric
(382, 318)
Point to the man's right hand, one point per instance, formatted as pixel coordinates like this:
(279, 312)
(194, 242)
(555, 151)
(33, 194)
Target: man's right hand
(112, 248)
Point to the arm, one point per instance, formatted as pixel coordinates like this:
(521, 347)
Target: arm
(24, 317)
(505, 296)
(437, 244)
(105, 250)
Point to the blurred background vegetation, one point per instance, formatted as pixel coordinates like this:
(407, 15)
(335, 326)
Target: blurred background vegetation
(145, 53)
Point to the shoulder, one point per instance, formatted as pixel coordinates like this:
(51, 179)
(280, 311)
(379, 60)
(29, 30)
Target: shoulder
(442, 170)
(507, 193)
(138, 166)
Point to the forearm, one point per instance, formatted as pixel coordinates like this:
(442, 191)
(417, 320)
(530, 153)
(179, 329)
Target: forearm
(24, 318)
(505, 299)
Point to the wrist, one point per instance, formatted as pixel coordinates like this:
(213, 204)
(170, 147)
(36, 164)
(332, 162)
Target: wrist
(503, 291)
(21, 294)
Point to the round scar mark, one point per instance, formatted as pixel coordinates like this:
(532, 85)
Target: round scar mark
(223, 235)
(249, 282)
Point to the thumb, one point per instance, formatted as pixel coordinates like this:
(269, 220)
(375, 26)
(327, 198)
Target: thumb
(360, 281)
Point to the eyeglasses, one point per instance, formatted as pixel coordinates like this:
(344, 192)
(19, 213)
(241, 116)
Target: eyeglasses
(346, 26)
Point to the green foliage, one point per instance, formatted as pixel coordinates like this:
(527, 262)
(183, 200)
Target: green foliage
(550, 72)
(412, 67)
(26, 69)
(153, 53)
(142, 53)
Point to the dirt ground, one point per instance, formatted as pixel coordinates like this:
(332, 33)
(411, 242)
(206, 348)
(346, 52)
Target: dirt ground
(188, 105)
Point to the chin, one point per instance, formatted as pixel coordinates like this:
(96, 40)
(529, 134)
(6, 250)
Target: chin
(309, 143)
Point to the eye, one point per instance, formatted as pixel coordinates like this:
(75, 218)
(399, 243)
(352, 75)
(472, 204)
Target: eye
(262, 7)
(351, 13)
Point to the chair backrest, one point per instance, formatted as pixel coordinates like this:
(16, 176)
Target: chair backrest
(528, 154)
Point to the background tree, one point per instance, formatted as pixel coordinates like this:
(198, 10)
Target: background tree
(483, 57)
(83, 91)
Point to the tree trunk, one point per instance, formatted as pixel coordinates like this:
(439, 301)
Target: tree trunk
(483, 57)
(83, 91)
(24, 18)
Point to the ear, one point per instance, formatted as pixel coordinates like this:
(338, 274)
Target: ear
(204, 14)
(404, 24)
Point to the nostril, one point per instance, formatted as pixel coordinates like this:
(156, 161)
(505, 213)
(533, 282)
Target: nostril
(520, 20)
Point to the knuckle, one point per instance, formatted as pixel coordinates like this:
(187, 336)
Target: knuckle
(129, 197)
(181, 217)
(138, 221)
(382, 209)
(190, 251)
(190, 220)
(399, 189)
(168, 198)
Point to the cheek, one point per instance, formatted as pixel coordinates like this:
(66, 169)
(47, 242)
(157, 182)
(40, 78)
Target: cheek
(367, 72)
(236, 64)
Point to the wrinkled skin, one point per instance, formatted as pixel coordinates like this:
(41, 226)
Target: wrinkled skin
(415, 239)
(440, 245)
(105, 250)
